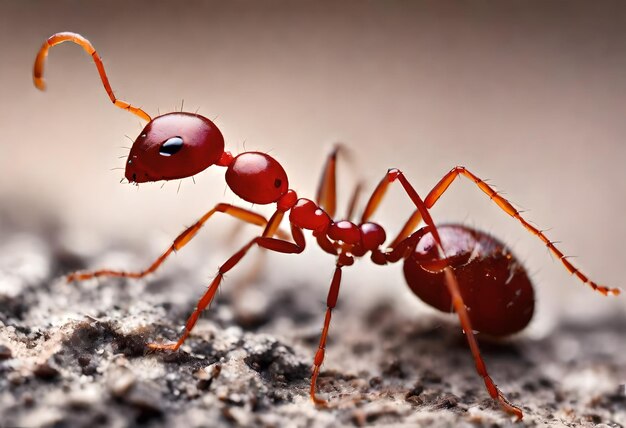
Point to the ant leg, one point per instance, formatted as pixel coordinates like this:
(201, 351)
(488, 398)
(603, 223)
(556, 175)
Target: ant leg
(375, 200)
(451, 281)
(380, 191)
(182, 239)
(58, 38)
(331, 302)
(326, 197)
(481, 368)
(410, 225)
(353, 200)
(264, 241)
(506, 206)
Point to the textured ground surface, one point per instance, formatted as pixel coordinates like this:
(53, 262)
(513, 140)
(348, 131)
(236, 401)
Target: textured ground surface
(75, 356)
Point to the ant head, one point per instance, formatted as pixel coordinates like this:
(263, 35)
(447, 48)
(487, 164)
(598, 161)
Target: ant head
(174, 145)
(256, 177)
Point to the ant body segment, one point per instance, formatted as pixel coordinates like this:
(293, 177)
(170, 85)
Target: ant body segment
(453, 268)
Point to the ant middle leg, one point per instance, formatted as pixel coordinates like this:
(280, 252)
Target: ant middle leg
(331, 302)
(180, 241)
(264, 241)
(508, 208)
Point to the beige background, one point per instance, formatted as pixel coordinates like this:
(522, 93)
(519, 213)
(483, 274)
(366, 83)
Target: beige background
(528, 94)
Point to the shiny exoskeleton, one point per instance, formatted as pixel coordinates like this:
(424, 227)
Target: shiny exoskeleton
(453, 268)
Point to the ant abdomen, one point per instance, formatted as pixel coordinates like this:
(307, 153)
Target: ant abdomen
(495, 287)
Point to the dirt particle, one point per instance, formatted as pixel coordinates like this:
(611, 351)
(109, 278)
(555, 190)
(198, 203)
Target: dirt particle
(206, 376)
(428, 376)
(394, 368)
(46, 371)
(413, 396)
(121, 380)
(590, 417)
(5, 352)
(275, 360)
(446, 401)
(84, 360)
(376, 381)
(28, 399)
(146, 399)
(15, 378)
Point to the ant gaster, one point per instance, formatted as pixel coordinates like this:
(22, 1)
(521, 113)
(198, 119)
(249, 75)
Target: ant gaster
(453, 268)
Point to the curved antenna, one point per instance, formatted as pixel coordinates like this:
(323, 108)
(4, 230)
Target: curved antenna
(58, 38)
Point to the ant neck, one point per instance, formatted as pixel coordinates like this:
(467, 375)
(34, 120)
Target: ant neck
(225, 160)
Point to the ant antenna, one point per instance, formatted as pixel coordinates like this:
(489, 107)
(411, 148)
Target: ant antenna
(58, 38)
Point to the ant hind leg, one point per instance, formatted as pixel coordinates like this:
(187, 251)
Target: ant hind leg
(450, 278)
(508, 208)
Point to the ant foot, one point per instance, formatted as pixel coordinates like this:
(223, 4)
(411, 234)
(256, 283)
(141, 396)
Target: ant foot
(319, 402)
(510, 408)
(163, 347)
(77, 276)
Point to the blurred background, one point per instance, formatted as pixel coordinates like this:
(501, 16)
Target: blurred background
(528, 94)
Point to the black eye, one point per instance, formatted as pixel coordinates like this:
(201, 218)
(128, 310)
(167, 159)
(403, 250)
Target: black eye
(171, 146)
(277, 183)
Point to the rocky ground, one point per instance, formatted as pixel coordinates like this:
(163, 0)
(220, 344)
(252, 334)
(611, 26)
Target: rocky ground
(74, 355)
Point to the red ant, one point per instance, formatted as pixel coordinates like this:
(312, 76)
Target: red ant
(453, 268)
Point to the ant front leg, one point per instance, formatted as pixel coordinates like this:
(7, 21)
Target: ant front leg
(508, 208)
(264, 241)
(450, 278)
(182, 240)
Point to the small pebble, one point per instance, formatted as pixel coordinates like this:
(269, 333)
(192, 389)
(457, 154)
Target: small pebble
(121, 381)
(15, 378)
(413, 396)
(145, 397)
(28, 399)
(46, 371)
(5, 352)
(446, 401)
(84, 360)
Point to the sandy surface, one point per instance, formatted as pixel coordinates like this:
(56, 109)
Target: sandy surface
(74, 355)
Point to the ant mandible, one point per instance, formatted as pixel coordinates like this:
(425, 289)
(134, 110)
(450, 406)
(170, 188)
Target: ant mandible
(453, 268)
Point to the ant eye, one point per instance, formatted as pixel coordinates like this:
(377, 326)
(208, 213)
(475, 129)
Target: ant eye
(277, 183)
(171, 146)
